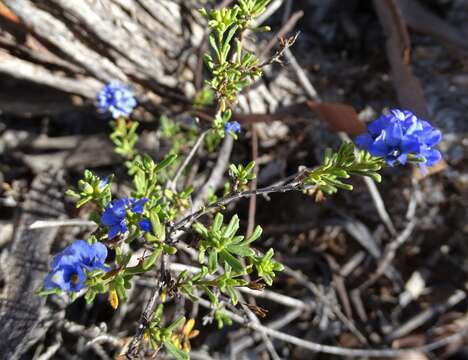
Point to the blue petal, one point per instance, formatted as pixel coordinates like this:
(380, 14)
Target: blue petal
(398, 114)
(145, 225)
(402, 158)
(117, 229)
(137, 206)
(433, 137)
(393, 134)
(432, 156)
(379, 147)
(410, 144)
(377, 126)
(363, 141)
(109, 218)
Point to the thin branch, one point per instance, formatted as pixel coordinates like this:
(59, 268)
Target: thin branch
(147, 313)
(287, 27)
(223, 201)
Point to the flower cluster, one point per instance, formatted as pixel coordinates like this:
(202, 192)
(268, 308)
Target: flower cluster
(232, 126)
(116, 98)
(115, 215)
(401, 136)
(68, 268)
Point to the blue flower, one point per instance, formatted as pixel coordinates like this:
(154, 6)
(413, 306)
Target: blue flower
(401, 136)
(68, 267)
(232, 126)
(145, 225)
(114, 216)
(70, 278)
(90, 256)
(116, 98)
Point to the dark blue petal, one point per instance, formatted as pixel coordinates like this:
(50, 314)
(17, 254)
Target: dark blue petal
(377, 126)
(115, 230)
(393, 134)
(145, 225)
(379, 147)
(109, 218)
(433, 137)
(363, 141)
(137, 205)
(67, 278)
(410, 144)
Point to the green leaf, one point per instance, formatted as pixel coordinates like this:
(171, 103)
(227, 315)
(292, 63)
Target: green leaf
(217, 222)
(158, 229)
(175, 351)
(241, 250)
(232, 261)
(212, 261)
(150, 260)
(166, 162)
(255, 235)
(232, 228)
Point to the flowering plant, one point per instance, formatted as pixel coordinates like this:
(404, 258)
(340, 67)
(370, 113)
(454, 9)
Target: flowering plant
(144, 229)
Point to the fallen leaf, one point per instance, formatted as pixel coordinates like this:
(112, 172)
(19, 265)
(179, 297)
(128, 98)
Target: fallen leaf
(431, 170)
(339, 117)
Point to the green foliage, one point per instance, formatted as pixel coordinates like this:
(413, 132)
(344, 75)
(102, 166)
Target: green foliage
(204, 98)
(220, 246)
(242, 175)
(342, 164)
(92, 189)
(232, 66)
(158, 334)
(124, 136)
(266, 267)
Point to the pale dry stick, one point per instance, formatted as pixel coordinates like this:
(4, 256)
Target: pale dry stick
(269, 345)
(105, 339)
(173, 183)
(41, 224)
(253, 184)
(271, 9)
(247, 341)
(51, 350)
(389, 254)
(302, 76)
(376, 197)
(217, 173)
(336, 350)
(302, 279)
(426, 315)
